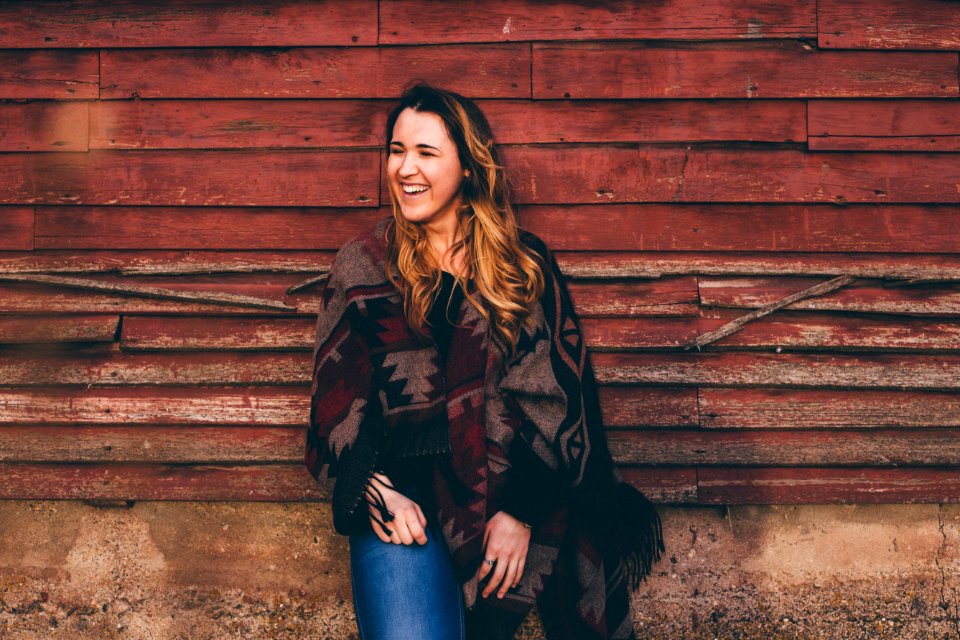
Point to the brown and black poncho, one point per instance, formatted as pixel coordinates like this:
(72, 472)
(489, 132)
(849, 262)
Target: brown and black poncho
(380, 395)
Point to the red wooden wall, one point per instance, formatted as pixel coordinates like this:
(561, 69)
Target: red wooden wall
(168, 171)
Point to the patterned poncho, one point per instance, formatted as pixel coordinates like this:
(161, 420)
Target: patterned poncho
(380, 393)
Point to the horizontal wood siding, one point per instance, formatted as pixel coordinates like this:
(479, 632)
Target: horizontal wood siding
(174, 182)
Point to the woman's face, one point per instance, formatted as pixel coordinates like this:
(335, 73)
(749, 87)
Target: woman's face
(423, 168)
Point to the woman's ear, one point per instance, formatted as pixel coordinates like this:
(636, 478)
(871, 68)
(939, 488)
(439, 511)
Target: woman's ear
(466, 173)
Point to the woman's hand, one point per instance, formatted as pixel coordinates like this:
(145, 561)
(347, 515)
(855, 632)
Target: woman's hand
(506, 541)
(407, 522)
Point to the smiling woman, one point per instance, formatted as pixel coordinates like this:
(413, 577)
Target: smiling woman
(454, 401)
(425, 176)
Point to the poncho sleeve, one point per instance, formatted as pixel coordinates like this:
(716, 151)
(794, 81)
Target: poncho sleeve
(553, 385)
(345, 430)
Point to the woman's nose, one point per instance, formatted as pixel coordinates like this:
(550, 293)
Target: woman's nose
(409, 165)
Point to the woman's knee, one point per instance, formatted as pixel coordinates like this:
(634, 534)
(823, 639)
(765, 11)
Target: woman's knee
(405, 591)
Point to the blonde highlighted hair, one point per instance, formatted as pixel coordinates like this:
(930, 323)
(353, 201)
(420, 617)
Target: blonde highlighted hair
(507, 276)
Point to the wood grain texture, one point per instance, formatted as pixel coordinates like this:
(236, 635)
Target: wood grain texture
(736, 70)
(286, 178)
(800, 447)
(16, 228)
(760, 408)
(146, 333)
(506, 20)
(606, 174)
(883, 125)
(855, 485)
(174, 23)
(747, 227)
(49, 74)
(42, 328)
(236, 124)
(44, 126)
(315, 123)
(865, 295)
(103, 367)
(789, 370)
(211, 227)
(130, 406)
(492, 71)
(111, 481)
(887, 24)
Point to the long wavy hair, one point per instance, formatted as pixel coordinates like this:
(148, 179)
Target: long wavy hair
(507, 275)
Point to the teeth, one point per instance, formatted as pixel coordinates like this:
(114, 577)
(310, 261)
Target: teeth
(414, 189)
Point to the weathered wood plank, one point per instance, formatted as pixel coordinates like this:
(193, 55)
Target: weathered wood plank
(722, 369)
(50, 328)
(34, 298)
(600, 265)
(42, 74)
(210, 445)
(608, 121)
(43, 126)
(483, 70)
(607, 174)
(16, 228)
(724, 408)
(148, 333)
(862, 296)
(810, 447)
(671, 485)
(283, 178)
(820, 289)
(627, 334)
(111, 368)
(784, 330)
(887, 24)
(282, 406)
(669, 297)
(648, 406)
(895, 228)
(120, 227)
(736, 70)
(246, 444)
(883, 125)
(262, 482)
(223, 124)
(24, 481)
(771, 485)
(141, 291)
(812, 330)
(236, 124)
(509, 20)
(136, 405)
(632, 264)
(175, 23)
(612, 227)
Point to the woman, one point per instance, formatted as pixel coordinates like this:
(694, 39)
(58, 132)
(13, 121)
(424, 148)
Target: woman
(453, 398)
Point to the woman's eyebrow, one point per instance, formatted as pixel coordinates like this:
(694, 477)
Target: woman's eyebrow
(422, 145)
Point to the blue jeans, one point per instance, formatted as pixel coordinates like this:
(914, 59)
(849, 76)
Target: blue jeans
(405, 592)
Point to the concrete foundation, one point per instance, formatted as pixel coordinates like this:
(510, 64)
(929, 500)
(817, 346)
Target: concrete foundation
(159, 570)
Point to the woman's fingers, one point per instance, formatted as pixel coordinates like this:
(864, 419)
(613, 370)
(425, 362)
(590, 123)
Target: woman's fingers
(499, 569)
(508, 578)
(520, 566)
